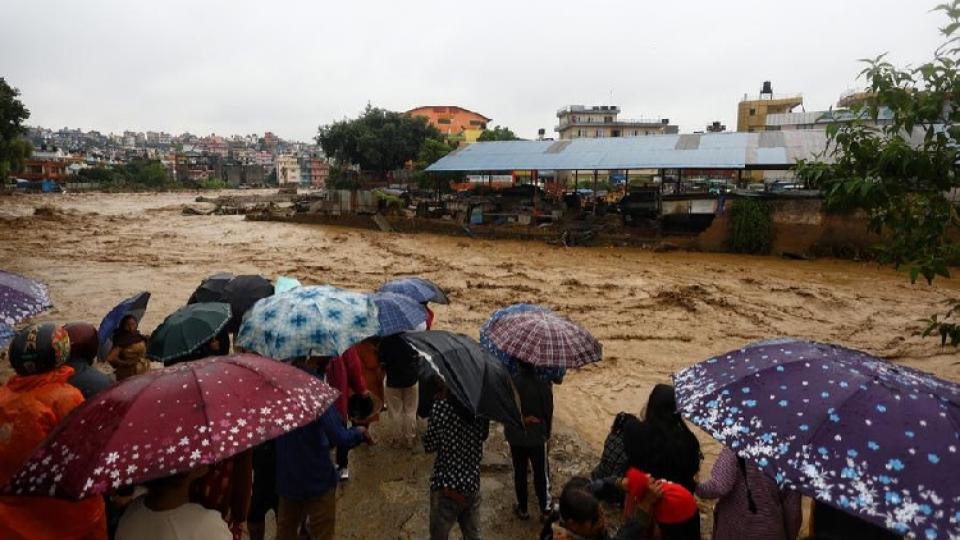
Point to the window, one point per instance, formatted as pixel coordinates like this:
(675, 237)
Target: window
(476, 123)
(599, 133)
(443, 120)
(753, 112)
(608, 119)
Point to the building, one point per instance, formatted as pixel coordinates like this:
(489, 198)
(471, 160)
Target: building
(194, 166)
(288, 169)
(313, 172)
(44, 169)
(752, 113)
(602, 121)
(843, 114)
(456, 123)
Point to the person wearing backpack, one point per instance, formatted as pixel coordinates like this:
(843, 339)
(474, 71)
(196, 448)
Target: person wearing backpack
(32, 403)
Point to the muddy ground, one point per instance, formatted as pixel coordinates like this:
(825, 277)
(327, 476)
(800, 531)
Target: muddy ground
(654, 312)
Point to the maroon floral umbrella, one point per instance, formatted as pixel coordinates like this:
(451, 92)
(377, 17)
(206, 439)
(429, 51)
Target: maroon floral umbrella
(169, 421)
(544, 339)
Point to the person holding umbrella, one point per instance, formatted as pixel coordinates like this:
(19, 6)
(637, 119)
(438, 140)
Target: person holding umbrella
(32, 403)
(456, 436)
(129, 353)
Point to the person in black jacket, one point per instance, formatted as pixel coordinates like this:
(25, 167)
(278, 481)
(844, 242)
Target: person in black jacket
(401, 366)
(530, 445)
(664, 447)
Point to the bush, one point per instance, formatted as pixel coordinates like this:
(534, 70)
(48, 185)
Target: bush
(751, 228)
(213, 183)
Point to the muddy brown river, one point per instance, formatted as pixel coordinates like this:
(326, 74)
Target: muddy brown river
(653, 312)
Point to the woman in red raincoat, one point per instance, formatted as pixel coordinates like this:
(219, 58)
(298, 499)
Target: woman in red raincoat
(32, 403)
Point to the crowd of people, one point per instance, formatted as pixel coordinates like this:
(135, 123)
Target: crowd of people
(649, 471)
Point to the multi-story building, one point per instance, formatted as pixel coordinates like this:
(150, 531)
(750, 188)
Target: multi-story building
(752, 112)
(456, 123)
(313, 172)
(288, 169)
(601, 121)
(842, 114)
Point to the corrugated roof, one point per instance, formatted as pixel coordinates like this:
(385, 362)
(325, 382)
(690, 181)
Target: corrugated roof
(707, 151)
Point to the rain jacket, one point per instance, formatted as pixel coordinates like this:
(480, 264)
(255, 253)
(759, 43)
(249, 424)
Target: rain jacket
(30, 407)
(345, 373)
(304, 469)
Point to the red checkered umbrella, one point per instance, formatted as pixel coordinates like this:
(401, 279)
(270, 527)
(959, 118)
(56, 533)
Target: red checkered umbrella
(169, 421)
(545, 339)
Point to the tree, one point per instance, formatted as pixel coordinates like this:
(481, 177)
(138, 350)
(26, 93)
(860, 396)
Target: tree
(431, 152)
(902, 173)
(378, 140)
(14, 149)
(498, 133)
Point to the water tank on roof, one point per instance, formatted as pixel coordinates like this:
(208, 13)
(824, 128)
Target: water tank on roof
(767, 88)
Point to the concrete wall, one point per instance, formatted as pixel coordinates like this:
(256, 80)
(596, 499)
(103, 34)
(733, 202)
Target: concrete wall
(802, 227)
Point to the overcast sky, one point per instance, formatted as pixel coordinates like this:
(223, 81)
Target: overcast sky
(243, 67)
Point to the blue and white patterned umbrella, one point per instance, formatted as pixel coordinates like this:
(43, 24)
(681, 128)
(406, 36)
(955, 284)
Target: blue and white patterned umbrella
(398, 313)
(421, 290)
(543, 373)
(6, 334)
(308, 321)
(861, 434)
(21, 298)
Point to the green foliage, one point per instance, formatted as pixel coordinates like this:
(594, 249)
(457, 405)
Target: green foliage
(904, 185)
(213, 183)
(14, 149)
(498, 133)
(431, 151)
(141, 174)
(378, 140)
(751, 228)
(946, 325)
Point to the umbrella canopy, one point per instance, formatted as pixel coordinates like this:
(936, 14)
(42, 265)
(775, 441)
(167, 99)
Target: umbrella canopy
(543, 373)
(242, 292)
(211, 288)
(308, 321)
(397, 313)
(473, 377)
(421, 290)
(285, 283)
(21, 298)
(863, 435)
(169, 421)
(185, 330)
(544, 339)
(136, 305)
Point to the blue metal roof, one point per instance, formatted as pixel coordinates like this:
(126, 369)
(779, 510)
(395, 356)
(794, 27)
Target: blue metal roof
(696, 151)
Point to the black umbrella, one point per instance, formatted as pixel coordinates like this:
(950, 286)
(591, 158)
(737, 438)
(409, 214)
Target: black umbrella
(242, 292)
(211, 288)
(473, 377)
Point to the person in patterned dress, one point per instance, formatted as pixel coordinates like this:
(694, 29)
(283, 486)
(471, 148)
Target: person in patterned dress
(456, 436)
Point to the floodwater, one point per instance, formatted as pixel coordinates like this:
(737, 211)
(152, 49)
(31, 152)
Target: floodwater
(653, 312)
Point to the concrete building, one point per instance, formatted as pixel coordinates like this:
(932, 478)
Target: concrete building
(752, 112)
(288, 169)
(313, 172)
(456, 123)
(602, 121)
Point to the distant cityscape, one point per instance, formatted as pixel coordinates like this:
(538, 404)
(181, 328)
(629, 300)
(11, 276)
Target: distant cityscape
(253, 159)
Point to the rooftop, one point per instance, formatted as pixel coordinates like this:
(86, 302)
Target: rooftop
(780, 149)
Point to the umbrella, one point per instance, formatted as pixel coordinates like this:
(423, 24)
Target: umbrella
(185, 330)
(544, 339)
(211, 288)
(308, 321)
(421, 290)
(242, 292)
(863, 435)
(397, 313)
(136, 305)
(473, 377)
(285, 283)
(543, 373)
(169, 421)
(21, 298)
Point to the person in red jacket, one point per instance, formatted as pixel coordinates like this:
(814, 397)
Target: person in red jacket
(32, 403)
(345, 373)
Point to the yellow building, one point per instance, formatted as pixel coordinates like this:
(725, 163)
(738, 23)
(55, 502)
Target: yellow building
(752, 113)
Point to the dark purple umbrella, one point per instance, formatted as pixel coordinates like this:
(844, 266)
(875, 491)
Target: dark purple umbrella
(21, 298)
(861, 434)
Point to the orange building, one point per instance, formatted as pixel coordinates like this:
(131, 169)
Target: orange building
(453, 121)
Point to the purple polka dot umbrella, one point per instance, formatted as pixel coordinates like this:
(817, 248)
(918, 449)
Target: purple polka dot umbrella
(861, 434)
(169, 421)
(21, 298)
